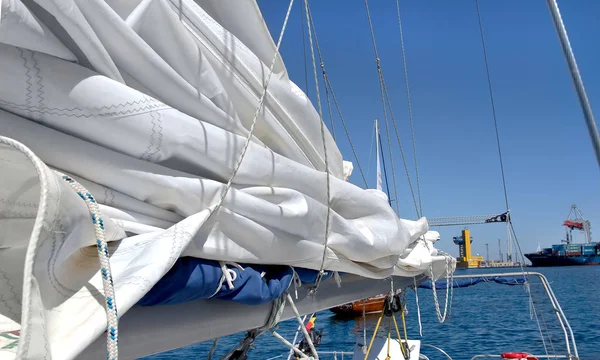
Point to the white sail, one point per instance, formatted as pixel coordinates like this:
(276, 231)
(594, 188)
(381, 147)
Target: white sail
(147, 104)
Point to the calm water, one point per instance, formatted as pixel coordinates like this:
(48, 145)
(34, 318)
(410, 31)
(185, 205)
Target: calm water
(485, 318)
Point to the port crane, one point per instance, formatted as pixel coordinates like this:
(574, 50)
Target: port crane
(576, 221)
(465, 258)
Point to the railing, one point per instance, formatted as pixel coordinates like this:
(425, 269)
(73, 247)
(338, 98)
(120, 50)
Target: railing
(572, 352)
(562, 319)
(337, 355)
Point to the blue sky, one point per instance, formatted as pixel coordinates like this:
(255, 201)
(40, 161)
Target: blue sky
(548, 157)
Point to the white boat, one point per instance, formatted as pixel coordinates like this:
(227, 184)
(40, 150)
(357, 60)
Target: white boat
(156, 159)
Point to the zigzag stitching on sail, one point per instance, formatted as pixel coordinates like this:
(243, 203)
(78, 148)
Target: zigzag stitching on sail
(153, 105)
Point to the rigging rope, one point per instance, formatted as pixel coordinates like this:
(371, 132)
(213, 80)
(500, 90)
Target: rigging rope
(335, 102)
(534, 313)
(304, 49)
(297, 332)
(328, 103)
(489, 81)
(415, 287)
(387, 183)
(449, 290)
(371, 149)
(302, 327)
(389, 103)
(510, 225)
(257, 112)
(244, 345)
(213, 348)
(468, 220)
(327, 220)
(381, 88)
(511, 231)
(278, 304)
(410, 115)
(384, 97)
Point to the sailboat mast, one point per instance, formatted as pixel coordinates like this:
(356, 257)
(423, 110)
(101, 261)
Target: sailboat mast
(379, 180)
(575, 76)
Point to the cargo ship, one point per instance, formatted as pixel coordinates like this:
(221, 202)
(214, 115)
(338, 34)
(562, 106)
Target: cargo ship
(568, 254)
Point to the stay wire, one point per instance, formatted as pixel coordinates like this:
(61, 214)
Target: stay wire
(385, 97)
(489, 81)
(327, 175)
(304, 48)
(410, 113)
(335, 101)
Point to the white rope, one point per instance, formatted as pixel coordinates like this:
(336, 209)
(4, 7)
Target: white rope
(246, 342)
(229, 275)
(290, 345)
(449, 290)
(296, 281)
(364, 318)
(312, 53)
(302, 327)
(418, 307)
(296, 336)
(112, 333)
(212, 349)
(438, 349)
(258, 110)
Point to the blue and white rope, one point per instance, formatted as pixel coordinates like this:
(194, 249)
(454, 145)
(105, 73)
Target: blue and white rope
(112, 335)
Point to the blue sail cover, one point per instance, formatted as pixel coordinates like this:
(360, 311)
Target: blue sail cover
(192, 279)
(459, 283)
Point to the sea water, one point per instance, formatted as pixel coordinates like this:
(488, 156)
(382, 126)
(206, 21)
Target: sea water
(487, 318)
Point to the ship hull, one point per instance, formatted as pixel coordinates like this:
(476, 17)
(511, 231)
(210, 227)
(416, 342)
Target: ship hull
(542, 260)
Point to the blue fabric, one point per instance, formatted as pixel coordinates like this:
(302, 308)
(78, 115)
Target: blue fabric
(308, 276)
(192, 279)
(459, 283)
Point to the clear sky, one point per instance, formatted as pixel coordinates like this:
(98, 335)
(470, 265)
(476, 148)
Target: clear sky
(548, 157)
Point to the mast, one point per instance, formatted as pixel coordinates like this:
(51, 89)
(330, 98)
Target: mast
(379, 180)
(576, 77)
(500, 250)
(508, 243)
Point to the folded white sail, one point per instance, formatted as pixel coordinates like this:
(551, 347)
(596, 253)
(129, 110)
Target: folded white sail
(148, 104)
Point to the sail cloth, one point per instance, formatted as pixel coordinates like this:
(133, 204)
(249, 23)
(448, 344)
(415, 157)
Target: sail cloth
(147, 104)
